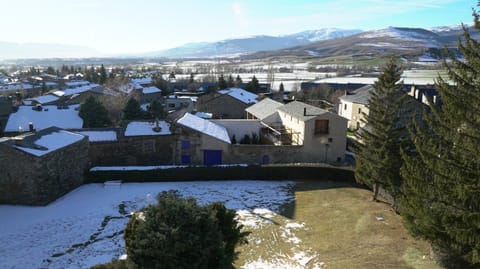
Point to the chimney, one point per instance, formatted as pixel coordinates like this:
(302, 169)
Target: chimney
(30, 127)
(304, 111)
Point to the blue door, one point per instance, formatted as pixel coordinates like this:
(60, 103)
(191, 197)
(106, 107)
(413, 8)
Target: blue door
(212, 157)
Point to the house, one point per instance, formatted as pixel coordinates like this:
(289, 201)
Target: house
(354, 107)
(291, 133)
(200, 141)
(176, 103)
(147, 94)
(39, 167)
(41, 117)
(43, 100)
(226, 104)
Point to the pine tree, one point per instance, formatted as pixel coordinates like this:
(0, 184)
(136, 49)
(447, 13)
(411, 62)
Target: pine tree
(378, 158)
(222, 83)
(253, 86)
(230, 82)
(133, 111)
(442, 181)
(103, 75)
(94, 114)
(238, 81)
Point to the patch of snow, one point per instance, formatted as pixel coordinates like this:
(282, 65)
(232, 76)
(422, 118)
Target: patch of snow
(84, 227)
(205, 127)
(140, 128)
(100, 136)
(51, 142)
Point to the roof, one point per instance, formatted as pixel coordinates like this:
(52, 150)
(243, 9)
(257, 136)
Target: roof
(348, 80)
(205, 127)
(264, 108)
(141, 128)
(44, 99)
(359, 96)
(241, 95)
(66, 118)
(297, 109)
(46, 141)
(203, 115)
(151, 89)
(78, 90)
(76, 83)
(100, 136)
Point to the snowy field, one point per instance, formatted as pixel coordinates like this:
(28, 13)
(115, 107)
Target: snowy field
(85, 227)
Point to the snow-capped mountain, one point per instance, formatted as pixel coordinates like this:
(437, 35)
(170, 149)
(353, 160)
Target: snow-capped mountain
(400, 41)
(251, 44)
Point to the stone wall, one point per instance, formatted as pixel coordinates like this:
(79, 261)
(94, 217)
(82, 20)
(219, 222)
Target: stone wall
(134, 150)
(27, 179)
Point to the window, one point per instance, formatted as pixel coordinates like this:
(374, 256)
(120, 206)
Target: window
(359, 110)
(171, 105)
(321, 127)
(345, 107)
(185, 144)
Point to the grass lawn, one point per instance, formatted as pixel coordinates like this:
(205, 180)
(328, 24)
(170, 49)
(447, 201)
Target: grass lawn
(333, 225)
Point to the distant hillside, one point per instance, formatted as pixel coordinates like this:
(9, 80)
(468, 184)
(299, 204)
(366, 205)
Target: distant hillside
(10, 50)
(250, 44)
(392, 40)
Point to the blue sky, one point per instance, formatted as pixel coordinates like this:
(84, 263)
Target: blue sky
(130, 26)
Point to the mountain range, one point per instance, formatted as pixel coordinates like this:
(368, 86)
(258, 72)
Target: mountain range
(313, 43)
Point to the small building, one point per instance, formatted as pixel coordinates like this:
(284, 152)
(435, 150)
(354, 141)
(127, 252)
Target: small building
(41, 117)
(200, 141)
(354, 107)
(226, 104)
(39, 167)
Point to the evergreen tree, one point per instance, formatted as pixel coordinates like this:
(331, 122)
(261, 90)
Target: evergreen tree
(178, 233)
(378, 159)
(156, 110)
(103, 75)
(253, 86)
(133, 111)
(230, 82)
(442, 181)
(238, 81)
(94, 114)
(222, 84)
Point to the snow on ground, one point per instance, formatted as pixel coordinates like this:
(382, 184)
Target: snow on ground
(85, 227)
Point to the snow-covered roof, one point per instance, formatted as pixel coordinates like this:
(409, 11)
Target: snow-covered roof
(48, 116)
(204, 115)
(141, 128)
(100, 136)
(16, 86)
(140, 81)
(348, 80)
(77, 83)
(78, 90)
(151, 89)
(51, 141)
(44, 99)
(264, 108)
(205, 127)
(241, 95)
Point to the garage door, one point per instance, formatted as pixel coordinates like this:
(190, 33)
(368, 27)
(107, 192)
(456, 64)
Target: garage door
(212, 157)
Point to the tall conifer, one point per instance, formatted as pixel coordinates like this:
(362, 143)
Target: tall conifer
(378, 159)
(442, 181)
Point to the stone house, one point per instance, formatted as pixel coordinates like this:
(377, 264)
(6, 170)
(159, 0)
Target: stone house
(39, 167)
(295, 132)
(226, 104)
(354, 107)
